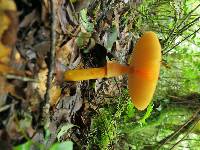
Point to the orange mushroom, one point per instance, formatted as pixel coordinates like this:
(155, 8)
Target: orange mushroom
(142, 73)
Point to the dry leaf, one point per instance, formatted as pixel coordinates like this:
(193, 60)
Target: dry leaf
(8, 31)
(65, 53)
(40, 86)
(10, 35)
(67, 57)
(4, 53)
(5, 69)
(9, 21)
(7, 5)
(71, 104)
(66, 15)
(3, 94)
(29, 19)
(55, 93)
(4, 23)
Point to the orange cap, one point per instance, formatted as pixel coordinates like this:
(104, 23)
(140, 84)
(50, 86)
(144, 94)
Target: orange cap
(144, 70)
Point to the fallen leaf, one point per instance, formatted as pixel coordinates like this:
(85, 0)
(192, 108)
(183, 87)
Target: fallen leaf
(110, 37)
(7, 5)
(9, 22)
(5, 69)
(66, 15)
(13, 128)
(5, 22)
(10, 35)
(4, 53)
(3, 93)
(83, 39)
(55, 93)
(81, 4)
(68, 57)
(66, 52)
(64, 129)
(40, 86)
(84, 20)
(29, 19)
(71, 104)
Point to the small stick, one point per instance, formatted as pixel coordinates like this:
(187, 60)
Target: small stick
(22, 78)
(180, 129)
(51, 65)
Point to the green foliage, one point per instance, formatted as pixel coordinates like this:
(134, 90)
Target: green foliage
(64, 130)
(105, 126)
(67, 145)
(129, 111)
(175, 21)
(111, 38)
(83, 39)
(25, 146)
(89, 27)
(147, 114)
(111, 122)
(182, 75)
(26, 122)
(160, 125)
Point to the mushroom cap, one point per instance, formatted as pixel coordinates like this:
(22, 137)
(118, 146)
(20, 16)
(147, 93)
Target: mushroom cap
(144, 70)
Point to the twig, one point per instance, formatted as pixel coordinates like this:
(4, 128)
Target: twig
(181, 128)
(182, 41)
(179, 32)
(184, 28)
(187, 16)
(187, 26)
(7, 107)
(25, 79)
(184, 135)
(51, 57)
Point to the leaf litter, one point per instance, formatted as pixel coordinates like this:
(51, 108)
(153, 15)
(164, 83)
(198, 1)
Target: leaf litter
(81, 35)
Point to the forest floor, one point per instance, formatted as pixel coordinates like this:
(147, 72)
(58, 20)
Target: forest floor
(81, 42)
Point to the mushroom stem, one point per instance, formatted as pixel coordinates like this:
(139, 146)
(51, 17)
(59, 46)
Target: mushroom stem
(115, 69)
(84, 74)
(110, 70)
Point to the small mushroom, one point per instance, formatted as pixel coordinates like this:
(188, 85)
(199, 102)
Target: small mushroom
(142, 73)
